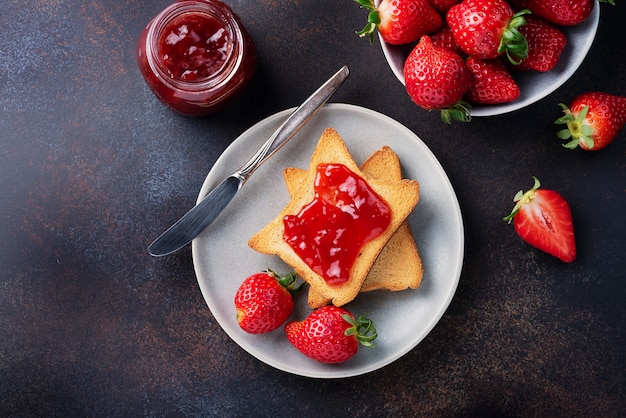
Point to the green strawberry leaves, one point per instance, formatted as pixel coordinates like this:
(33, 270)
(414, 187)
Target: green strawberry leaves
(522, 198)
(373, 19)
(461, 111)
(513, 43)
(576, 129)
(362, 328)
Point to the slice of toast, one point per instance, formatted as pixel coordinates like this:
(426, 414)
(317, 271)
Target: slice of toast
(398, 266)
(401, 196)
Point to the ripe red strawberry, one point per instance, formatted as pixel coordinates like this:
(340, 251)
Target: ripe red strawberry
(400, 21)
(437, 78)
(486, 29)
(559, 12)
(593, 120)
(442, 6)
(444, 38)
(491, 82)
(543, 219)
(545, 45)
(330, 334)
(264, 301)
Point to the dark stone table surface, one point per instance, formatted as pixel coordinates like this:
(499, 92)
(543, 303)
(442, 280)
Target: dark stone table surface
(93, 167)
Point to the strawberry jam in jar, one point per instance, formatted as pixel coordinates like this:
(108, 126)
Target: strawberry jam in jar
(196, 56)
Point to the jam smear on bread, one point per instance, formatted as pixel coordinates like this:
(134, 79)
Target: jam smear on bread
(329, 232)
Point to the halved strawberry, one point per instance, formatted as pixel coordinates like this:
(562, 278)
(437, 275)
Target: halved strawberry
(543, 219)
(593, 120)
(399, 21)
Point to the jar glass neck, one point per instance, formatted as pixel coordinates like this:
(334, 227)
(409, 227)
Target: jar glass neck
(230, 51)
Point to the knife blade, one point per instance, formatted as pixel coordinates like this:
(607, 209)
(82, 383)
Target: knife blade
(208, 209)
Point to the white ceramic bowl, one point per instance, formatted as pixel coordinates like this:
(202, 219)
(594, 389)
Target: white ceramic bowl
(534, 86)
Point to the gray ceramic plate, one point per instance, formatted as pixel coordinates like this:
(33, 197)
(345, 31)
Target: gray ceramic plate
(222, 258)
(534, 86)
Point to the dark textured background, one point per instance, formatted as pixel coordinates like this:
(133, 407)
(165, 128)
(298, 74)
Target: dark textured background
(94, 167)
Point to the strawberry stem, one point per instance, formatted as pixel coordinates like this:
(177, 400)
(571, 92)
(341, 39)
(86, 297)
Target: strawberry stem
(522, 198)
(362, 328)
(577, 128)
(461, 111)
(288, 282)
(373, 19)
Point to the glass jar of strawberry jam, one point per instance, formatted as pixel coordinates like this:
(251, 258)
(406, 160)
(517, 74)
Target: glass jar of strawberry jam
(196, 56)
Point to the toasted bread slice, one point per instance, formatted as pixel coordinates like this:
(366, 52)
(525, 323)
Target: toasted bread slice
(398, 266)
(401, 196)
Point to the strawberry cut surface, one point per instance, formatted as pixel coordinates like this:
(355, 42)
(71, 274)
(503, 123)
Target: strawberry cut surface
(543, 219)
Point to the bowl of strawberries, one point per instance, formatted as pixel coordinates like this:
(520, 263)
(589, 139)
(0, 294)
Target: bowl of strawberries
(482, 57)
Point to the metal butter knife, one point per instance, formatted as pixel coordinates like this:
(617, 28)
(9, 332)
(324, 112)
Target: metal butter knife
(204, 213)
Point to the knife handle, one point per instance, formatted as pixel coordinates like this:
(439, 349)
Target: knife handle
(293, 123)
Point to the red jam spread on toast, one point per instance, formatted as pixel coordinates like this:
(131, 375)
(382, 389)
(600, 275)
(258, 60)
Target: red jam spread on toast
(329, 232)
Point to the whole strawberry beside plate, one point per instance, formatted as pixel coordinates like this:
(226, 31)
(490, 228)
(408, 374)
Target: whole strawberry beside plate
(593, 120)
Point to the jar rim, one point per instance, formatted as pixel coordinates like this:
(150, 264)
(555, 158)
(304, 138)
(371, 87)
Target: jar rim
(217, 10)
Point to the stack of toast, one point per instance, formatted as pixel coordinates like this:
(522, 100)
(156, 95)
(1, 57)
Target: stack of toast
(390, 261)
